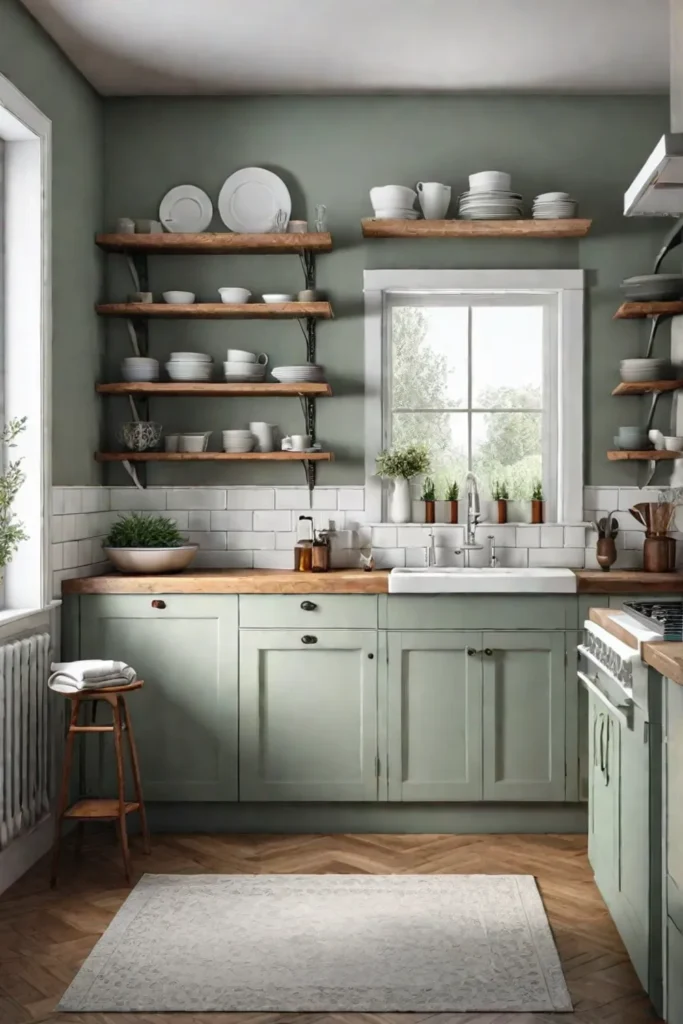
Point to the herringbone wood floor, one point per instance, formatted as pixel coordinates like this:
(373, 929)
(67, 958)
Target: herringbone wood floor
(45, 935)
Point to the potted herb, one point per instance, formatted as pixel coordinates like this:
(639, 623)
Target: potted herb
(537, 502)
(429, 499)
(401, 465)
(11, 530)
(147, 544)
(501, 495)
(452, 495)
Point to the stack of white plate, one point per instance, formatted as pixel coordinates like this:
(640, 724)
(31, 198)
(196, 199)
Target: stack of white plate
(189, 366)
(238, 441)
(139, 368)
(490, 198)
(635, 371)
(306, 374)
(554, 206)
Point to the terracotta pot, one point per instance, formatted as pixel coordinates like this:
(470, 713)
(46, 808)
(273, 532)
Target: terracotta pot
(452, 511)
(606, 552)
(536, 511)
(502, 510)
(429, 511)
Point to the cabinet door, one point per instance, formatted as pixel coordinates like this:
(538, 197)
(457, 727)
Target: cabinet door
(185, 716)
(434, 716)
(308, 715)
(524, 716)
(603, 807)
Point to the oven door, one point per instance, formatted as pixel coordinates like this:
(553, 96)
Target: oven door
(602, 681)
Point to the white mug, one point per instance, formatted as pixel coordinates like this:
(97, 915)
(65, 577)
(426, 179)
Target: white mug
(434, 199)
(296, 443)
(239, 355)
(263, 432)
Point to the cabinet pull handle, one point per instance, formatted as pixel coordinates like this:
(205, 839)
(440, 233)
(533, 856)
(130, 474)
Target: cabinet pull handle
(308, 606)
(158, 604)
(602, 745)
(488, 652)
(609, 723)
(471, 652)
(309, 639)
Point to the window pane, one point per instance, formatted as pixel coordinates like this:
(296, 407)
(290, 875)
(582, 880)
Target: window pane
(507, 357)
(444, 433)
(507, 446)
(429, 357)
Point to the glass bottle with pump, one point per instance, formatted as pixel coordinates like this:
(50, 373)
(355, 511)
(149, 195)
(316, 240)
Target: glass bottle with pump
(321, 551)
(303, 550)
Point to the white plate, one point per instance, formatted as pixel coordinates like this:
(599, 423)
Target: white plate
(250, 199)
(186, 209)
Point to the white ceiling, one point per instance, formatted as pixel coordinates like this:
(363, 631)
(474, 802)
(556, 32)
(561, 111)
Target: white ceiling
(133, 47)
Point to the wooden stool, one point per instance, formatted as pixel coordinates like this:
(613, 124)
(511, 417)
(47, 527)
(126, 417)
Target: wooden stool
(99, 809)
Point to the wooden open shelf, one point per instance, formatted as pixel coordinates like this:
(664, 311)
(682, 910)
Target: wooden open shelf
(176, 389)
(216, 243)
(647, 387)
(639, 310)
(574, 228)
(653, 455)
(214, 456)
(219, 310)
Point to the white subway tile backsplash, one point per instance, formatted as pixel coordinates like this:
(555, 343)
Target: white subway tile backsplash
(633, 539)
(575, 536)
(325, 498)
(412, 536)
(70, 554)
(273, 560)
(132, 499)
(570, 558)
(504, 536)
(73, 501)
(57, 501)
(513, 558)
(256, 541)
(249, 498)
(384, 537)
(389, 558)
(352, 500)
(238, 520)
(607, 497)
(194, 498)
(199, 520)
(224, 560)
(292, 497)
(552, 537)
(57, 557)
(181, 519)
(416, 558)
(528, 536)
(279, 520)
(285, 541)
(213, 541)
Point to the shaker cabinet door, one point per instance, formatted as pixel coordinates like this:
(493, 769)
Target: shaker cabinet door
(434, 716)
(308, 715)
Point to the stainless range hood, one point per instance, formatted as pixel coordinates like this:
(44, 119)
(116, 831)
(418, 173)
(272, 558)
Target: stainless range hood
(657, 190)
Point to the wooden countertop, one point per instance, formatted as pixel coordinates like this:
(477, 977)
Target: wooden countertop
(664, 656)
(628, 581)
(235, 581)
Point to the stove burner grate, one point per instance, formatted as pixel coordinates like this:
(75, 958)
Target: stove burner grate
(663, 617)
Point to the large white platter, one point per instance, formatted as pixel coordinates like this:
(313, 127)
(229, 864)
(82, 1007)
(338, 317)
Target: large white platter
(186, 209)
(250, 199)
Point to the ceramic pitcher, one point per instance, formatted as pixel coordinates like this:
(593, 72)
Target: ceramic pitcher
(434, 199)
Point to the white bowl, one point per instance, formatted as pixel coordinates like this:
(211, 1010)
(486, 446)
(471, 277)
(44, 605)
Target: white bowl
(400, 214)
(194, 442)
(189, 371)
(190, 357)
(178, 298)
(253, 369)
(482, 181)
(385, 197)
(278, 297)
(234, 295)
(139, 368)
(553, 197)
(240, 355)
(673, 444)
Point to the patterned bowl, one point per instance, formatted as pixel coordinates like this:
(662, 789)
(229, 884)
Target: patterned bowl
(140, 437)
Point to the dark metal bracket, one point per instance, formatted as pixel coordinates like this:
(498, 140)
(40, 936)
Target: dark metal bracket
(308, 265)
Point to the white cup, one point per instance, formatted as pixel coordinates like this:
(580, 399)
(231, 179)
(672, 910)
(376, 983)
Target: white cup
(434, 199)
(264, 434)
(171, 442)
(296, 442)
(240, 355)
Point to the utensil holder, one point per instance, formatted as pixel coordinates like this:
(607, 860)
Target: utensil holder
(659, 554)
(606, 553)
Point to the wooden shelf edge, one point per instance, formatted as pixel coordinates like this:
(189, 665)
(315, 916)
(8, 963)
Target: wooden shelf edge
(99, 809)
(639, 310)
(218, 310)
(572, 228)
(647, 387)
(174, 389)
(219, 242)
(654, 455)
(214, 456)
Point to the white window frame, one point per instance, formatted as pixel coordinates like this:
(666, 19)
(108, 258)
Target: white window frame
(26, 335)
(561, 291)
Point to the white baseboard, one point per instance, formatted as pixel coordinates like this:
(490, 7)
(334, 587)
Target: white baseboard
(24, 851)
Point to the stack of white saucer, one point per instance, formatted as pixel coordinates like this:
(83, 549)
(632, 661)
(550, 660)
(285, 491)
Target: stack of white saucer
(238, 441)
(189, 366)
(309, 373)
(554, 206)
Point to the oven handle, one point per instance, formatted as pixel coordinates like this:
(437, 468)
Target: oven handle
(598, 664)
(622, 712)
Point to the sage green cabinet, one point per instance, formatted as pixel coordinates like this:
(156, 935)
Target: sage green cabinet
(603, 803)
(524, 716)
(185, 716)
(308, 715)
(434, 716)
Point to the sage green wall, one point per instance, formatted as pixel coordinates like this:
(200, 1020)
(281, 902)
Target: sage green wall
(332, 150)
(32, 62)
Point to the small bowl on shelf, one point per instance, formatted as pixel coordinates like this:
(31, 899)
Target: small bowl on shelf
(673, 444)
(136, 369)
(176, 298)
(272, 297)
(194, 442)
(140, 437)
(234, 296)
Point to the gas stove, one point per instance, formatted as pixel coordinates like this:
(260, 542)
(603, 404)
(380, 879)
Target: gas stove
(663, 617)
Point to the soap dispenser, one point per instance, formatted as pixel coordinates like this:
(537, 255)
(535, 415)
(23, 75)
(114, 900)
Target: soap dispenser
(321, 551)
(303, 550)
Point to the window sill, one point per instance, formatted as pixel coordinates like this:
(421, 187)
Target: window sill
(11, 616)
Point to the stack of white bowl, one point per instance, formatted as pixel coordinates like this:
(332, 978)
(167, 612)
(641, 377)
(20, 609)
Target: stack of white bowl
(393, 202)
(554, 206)
(238, 441)
(189, 366)
(490, 198)
(139, 368)
(246, 367)
(636, 371)
(309, 373)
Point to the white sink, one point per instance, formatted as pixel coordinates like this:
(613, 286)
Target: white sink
(482, 581)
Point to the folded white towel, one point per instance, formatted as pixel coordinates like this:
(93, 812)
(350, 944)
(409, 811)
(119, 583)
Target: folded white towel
(71, 676)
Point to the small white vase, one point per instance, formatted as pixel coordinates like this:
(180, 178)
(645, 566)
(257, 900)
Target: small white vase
(400, 502)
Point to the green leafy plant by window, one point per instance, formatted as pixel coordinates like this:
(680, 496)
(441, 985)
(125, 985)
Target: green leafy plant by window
(452, 491)
(428, 490)
(12, 532)
(403, 462)
(537, 491)
(138, 531)
(500, 490)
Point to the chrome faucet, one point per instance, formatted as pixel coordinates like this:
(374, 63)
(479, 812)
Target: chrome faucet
(473, 516)
(430, 551)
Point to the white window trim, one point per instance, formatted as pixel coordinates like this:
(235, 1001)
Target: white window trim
(27, 330)
(567, 286)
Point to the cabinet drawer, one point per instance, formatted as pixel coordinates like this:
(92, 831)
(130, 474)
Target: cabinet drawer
(304, 611)
(480, 611)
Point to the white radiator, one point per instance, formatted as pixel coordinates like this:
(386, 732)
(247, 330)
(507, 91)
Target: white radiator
(25, 735)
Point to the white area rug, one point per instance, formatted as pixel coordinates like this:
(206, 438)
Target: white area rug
(317, 943)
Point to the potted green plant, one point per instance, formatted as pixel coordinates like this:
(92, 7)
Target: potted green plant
(11, 530)
(452, 495)
(429, 499)
(147, 544)
(500, 493)
(537, 502)
(401, 465)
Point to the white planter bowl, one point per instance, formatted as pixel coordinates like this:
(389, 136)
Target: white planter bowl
(151, 560)
(179, 298)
